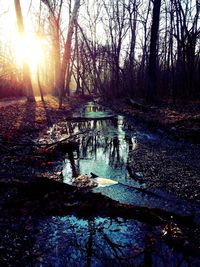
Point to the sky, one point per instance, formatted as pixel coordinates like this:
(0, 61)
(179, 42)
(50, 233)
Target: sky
(8, 24)
(8, 19)
(13, 46)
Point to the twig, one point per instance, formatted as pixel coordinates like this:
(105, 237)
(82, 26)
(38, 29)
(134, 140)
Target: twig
(63, 140)
(42, 144)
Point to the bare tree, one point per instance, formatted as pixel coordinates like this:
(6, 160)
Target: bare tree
(55, 9)
(133, 48)
(153, 54)
(26, 70)
(67, 50)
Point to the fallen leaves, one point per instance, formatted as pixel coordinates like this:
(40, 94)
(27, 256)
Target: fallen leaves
(83, 181)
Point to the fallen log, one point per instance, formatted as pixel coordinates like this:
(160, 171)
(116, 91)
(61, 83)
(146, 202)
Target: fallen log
(32, 144)
(42, 196)
(137, 105)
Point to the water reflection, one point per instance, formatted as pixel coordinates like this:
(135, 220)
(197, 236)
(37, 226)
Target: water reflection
(96, 241)
(103, 151)
(93, 110)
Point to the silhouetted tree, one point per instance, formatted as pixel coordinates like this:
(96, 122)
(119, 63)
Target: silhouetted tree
(153, 54)
(26, 70)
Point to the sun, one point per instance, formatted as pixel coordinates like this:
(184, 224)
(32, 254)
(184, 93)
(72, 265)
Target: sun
(29, 49)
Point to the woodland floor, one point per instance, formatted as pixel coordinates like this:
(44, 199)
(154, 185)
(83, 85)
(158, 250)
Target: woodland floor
(180, 120)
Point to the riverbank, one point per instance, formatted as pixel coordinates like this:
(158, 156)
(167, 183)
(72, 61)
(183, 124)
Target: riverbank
(171, 164)
(181, 120)
(172, 167)
(25, 120)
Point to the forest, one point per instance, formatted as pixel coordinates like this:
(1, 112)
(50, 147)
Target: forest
(100, 133)
(134, 48)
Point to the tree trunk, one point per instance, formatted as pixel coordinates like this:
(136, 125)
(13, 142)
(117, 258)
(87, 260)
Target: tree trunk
(67, 51)
(26, 70)
(77, 61)
(39, 85)
(152, 82)
(95, 70)
(56, 54)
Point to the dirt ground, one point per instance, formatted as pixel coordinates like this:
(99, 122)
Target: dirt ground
(169, 166)
(180, 120)
(20, 119)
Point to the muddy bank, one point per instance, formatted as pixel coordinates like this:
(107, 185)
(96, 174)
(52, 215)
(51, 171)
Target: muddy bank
(41, 196)
(171, 167)
(172, 162)
(181, 120)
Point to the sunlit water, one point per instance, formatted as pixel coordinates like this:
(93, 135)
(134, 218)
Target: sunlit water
(104, 151)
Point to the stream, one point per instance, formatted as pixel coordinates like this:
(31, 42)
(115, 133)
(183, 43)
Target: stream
(104, 152)
(100, 161)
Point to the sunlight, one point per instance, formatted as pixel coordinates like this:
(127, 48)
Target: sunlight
(29, 49)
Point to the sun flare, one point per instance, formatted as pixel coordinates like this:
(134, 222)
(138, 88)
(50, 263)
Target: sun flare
(29, 49)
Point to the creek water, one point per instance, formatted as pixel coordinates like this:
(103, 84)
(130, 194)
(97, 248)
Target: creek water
(104, 152)
(98, 241)
(71, 241)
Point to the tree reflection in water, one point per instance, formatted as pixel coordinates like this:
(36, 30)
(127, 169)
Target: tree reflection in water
(103, 151)
(71, 241)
